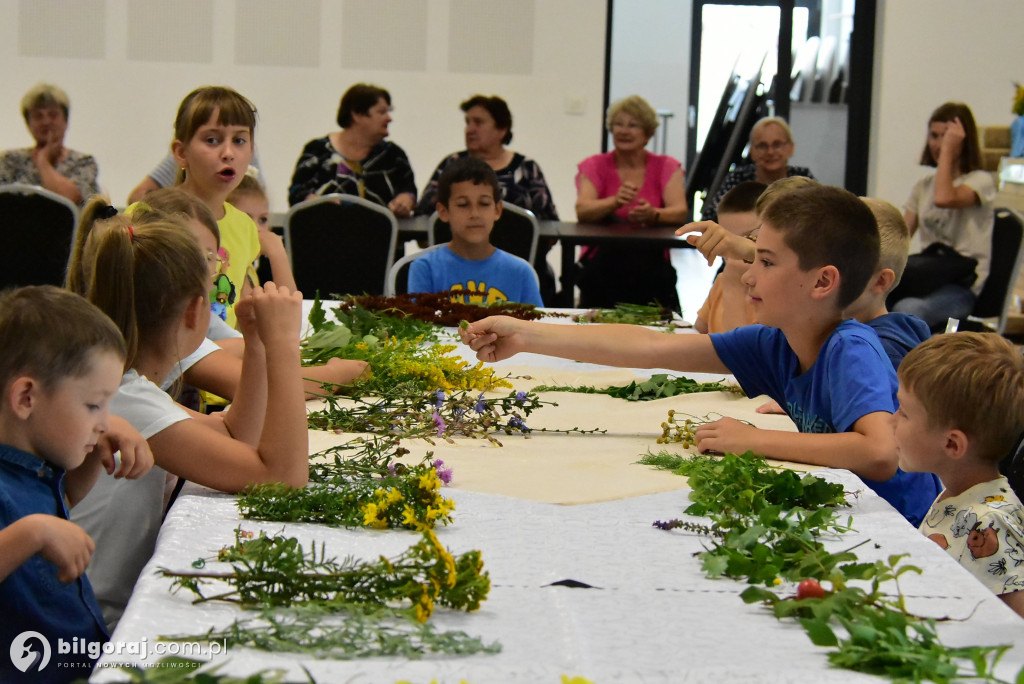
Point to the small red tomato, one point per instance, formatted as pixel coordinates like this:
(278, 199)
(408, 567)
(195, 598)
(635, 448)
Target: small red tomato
(809, 588)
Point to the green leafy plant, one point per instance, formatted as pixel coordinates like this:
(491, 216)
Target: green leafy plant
(766, 526)
(269, 571)
(657, 387)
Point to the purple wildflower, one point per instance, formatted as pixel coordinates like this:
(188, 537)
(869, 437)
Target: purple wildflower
(481, 405)
(516, 423)
(521, 398)
(444, 474)
(438, 423)
(391, 469)
(439, 398)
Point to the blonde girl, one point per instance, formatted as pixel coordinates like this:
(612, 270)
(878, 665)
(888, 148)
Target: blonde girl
(152, 279)
(213, 145)
(251, 198)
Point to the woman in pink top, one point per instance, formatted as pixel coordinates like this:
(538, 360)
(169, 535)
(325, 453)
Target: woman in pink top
(629, 185)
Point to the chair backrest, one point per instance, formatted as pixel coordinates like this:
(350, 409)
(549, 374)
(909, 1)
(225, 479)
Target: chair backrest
(996, 296)
(516, 231)
(37, 230)
(398, 276)
(340, 244)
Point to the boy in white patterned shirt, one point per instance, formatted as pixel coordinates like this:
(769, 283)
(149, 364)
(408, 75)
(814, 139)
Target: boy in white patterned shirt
(960, 397)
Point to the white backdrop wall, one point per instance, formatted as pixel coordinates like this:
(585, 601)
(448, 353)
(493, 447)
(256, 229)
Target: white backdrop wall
(126, 64)
(544, 57)
(928, 52)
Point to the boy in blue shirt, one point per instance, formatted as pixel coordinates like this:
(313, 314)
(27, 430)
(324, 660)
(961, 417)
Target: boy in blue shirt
(830, 374)
(469, 199)
(61, 361)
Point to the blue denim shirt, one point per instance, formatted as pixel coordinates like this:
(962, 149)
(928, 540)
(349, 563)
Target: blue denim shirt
(32, 598)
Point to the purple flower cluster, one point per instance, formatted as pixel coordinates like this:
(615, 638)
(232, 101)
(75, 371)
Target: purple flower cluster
(443, 473)
(438, 423)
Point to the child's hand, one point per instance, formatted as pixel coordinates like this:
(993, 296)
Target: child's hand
(245, 314)
(136, 456)
(63, 543)
(494, 338)
(278, 314)
(725, 435)
(715, 241)
(771, 407)
(953, 139)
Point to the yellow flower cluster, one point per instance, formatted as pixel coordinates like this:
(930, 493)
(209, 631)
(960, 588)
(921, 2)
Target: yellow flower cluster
(420, 507)
(398, 360)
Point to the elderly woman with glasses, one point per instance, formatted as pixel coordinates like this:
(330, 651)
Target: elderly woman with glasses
(629, 185)
(771, 146)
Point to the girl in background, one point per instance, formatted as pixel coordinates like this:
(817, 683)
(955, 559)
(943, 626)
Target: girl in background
(251, 198)
(213, 144)
(152, 279)
(952, 209)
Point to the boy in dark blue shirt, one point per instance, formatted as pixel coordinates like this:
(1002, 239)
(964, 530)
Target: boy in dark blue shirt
(61, 361)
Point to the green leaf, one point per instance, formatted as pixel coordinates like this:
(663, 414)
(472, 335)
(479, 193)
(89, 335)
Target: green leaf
(758, 595)
(317, 315)
(328, 338)
(819, 632)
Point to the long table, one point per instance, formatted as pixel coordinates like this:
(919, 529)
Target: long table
(560, 507)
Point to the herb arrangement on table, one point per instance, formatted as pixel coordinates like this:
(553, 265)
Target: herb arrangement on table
(310, 603)
(369, 488)
(766, 527)
(659, 385)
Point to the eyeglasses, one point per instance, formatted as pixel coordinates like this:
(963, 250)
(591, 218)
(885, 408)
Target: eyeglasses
(626, 124)
(774, 147)
(215, 262)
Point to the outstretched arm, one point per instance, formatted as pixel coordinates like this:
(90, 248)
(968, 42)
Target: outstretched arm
(868, 450)
(499, 337)
(712, 240)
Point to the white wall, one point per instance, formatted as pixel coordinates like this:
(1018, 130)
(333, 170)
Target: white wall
(651, 58)
(929, 52)
(122, 109)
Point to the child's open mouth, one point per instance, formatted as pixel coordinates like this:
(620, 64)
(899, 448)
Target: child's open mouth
(227, 174)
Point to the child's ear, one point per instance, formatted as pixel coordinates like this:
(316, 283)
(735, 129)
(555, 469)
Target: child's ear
(883, 281)
(498, 209)
(21, 396)
(193, 311)
(442, 212)
(957, 444)
(827, 282)
(178, 150)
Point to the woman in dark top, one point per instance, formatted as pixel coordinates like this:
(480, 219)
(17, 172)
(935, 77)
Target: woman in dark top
(357, 160)
(488, 130)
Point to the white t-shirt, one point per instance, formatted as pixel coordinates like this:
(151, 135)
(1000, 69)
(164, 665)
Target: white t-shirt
(123, 516)
(967, 230)
(217, 330)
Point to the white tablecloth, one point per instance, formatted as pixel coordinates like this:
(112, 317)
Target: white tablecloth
(652, 616)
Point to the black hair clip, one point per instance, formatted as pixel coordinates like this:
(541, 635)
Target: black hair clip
(106, 212)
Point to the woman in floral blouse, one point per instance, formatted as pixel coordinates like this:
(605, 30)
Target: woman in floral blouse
(49, 164)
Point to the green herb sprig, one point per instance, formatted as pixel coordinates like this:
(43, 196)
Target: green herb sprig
(767, 525)
(657, 387)
(355, 631)
(271, 571)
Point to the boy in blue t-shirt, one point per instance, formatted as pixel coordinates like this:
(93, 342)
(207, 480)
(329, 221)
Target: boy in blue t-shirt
(469, 199)
(830, 374)
(61, 361)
